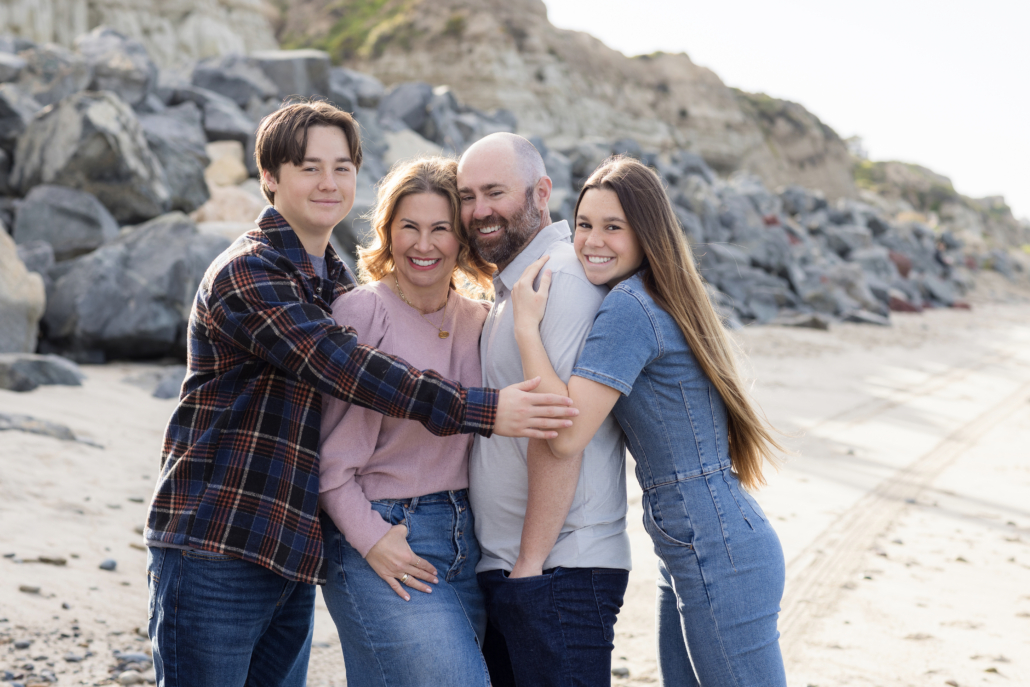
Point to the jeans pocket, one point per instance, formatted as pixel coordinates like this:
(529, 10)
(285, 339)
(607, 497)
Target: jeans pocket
(659, 533)
(609, 591)
(155, 562)
(754, 504)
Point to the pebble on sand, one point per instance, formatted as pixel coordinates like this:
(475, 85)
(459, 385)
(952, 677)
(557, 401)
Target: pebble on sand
(109, 564)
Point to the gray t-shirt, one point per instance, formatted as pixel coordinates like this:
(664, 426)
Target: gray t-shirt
(594, 533)
(318, 262)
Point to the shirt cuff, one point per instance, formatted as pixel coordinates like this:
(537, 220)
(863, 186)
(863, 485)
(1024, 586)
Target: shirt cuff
(480, 411)
(617, 384)
(360, 524)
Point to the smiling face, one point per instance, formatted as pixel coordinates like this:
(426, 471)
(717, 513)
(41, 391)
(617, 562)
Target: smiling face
(606, 245)
(424, 246)
(501, 208)
(317, 194)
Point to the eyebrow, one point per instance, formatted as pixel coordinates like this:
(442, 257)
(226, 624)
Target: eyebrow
(318, 159)
(484, 187)
(438, 222)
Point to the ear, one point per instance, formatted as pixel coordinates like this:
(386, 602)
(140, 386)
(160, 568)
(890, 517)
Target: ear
(542, 192)
(269, 180)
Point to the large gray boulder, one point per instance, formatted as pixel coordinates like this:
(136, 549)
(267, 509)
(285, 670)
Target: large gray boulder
(17, 108)
(223, 118)
(26, 371)
(120, 64)
(347, 85)
(93, 141)
(52, 73)
(237, 77)
(131, 298)
(22, 300)
(405, 106)
(176, 136)
(296, 72)
(11, 67)
(73, 222)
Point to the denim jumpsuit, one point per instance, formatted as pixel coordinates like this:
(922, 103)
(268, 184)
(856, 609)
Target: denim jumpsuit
(720, 563)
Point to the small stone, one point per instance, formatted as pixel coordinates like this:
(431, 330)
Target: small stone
(53, 560)
(109, 564)
(620, 672)
(28, 589)
(23, 644)
(65, 605)
(130, 677)
(10, 555)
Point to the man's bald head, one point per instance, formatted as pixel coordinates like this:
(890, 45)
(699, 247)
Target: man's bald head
(504, 190)
(508, 150)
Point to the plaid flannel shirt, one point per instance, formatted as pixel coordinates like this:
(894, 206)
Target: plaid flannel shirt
(239, 467)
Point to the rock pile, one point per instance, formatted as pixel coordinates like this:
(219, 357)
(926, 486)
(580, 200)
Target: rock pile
(103, 155)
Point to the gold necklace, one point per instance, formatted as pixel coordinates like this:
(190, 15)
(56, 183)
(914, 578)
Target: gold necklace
(443, 334)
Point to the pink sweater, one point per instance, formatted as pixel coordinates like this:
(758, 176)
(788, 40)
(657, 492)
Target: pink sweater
(367, 456)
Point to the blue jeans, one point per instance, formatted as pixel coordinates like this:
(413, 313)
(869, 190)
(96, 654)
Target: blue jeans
(721, 579)
(434, 639)
(219, 620)
(554, 629)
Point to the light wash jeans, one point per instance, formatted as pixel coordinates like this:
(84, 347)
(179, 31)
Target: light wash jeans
(434, 639)
(219, 620)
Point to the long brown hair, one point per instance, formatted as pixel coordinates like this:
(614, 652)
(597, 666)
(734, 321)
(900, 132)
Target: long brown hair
(672, 280)
(424, 175)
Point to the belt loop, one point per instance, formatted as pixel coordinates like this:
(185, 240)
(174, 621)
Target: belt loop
(414, 503)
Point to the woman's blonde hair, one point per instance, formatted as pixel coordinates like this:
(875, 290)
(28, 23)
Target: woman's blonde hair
(672, 280)
(436, 175)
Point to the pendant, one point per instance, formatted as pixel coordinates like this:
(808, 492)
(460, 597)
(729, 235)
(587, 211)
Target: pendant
(443, 334)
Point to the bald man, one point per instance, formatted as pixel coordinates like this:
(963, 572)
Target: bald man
(555, 554)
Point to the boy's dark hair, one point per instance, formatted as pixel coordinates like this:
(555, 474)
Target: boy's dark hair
(283, 136)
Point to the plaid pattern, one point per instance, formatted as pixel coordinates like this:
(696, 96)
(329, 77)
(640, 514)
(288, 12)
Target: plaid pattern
(239, 467)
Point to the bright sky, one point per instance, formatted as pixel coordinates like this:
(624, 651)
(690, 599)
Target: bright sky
(942, 83)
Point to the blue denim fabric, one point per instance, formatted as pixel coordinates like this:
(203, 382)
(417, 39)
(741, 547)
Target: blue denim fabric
(721, 565)
(555, 629)
(220, 620)
(434, 639)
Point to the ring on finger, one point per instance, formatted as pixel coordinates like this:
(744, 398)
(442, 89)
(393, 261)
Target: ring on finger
(404, 578)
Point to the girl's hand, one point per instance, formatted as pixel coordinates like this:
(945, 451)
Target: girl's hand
(393, 560)
(525, 569)
(530, 303)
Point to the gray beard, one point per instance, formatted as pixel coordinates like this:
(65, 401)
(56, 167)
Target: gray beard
(517, 232)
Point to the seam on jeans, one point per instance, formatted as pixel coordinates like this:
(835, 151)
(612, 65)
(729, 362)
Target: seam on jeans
(357, 610)
(175, 627)
(687, 479)
(722, 525)
(561, 625)
(711, 610)
(600, 615)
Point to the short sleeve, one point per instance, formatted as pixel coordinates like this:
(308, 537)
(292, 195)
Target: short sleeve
(622, 342)
(571, 308)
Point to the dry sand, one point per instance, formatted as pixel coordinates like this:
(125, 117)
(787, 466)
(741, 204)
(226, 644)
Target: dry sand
(903, 512)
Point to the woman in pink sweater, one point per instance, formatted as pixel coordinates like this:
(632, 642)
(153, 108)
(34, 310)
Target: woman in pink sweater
(395, 497)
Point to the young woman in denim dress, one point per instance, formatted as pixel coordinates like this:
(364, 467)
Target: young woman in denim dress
(659, 359)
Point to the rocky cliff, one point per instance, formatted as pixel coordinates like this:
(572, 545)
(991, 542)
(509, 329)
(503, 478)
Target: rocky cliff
(566, 86)
(173, 31)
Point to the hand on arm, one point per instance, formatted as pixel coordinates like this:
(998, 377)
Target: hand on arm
(552, 487)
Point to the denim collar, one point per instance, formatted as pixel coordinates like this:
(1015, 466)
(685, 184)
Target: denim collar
(558, 231)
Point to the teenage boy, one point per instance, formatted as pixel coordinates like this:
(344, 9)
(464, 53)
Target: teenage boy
(234, 541)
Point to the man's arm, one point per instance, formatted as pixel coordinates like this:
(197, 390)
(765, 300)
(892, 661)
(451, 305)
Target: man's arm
(553, 480)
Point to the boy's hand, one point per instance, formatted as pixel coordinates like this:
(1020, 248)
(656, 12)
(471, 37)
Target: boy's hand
(521, 413)
(393, 560)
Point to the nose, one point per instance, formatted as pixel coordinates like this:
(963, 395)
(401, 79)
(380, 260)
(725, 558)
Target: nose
(594, 239)
(424, 244)
(327, 182)
(481, 209)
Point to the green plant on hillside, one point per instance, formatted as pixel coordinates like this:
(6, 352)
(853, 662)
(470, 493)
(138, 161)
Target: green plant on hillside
(361, 28)
(455, 26)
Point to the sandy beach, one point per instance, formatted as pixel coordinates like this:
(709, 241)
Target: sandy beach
(902, 509)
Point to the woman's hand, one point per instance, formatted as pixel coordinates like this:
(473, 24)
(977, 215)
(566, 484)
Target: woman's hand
(529, 303)
(394, 561)
(524, 569)
(521, 413)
